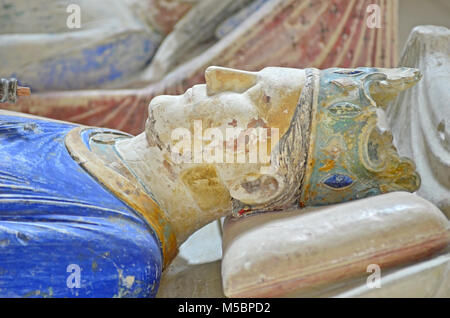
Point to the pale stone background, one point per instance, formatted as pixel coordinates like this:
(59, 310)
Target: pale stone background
(421, 12)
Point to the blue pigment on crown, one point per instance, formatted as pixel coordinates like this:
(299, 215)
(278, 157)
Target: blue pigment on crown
(338, 181)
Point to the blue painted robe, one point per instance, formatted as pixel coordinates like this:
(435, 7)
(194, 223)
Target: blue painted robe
(56, 218)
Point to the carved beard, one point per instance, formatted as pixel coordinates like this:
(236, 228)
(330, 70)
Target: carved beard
(290, 155)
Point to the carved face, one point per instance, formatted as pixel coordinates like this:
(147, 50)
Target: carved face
(230, 99)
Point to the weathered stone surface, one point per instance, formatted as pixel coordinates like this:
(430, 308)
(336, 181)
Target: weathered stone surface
(280, 253)
(195, 272)
(426, 279)
(191, 281)
(420, 117)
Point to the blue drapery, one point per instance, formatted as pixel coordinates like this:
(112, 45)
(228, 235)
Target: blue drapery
(55, 219)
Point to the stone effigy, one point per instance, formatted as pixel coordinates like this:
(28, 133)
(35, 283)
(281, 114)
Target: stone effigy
(420, 118)
(118, 206)
(287, 33)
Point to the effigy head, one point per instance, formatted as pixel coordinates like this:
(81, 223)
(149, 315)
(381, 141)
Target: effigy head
(320, 128)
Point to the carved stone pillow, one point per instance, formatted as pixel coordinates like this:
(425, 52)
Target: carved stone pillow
(273, 254)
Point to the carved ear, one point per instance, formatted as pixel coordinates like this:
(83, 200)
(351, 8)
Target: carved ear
(257, 189)
(222, 79)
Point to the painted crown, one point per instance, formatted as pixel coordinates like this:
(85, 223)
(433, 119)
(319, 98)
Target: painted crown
(350, 156)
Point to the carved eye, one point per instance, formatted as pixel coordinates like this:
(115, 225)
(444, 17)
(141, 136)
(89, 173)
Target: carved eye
(338, 181)
(349, 72)
(344, 109)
